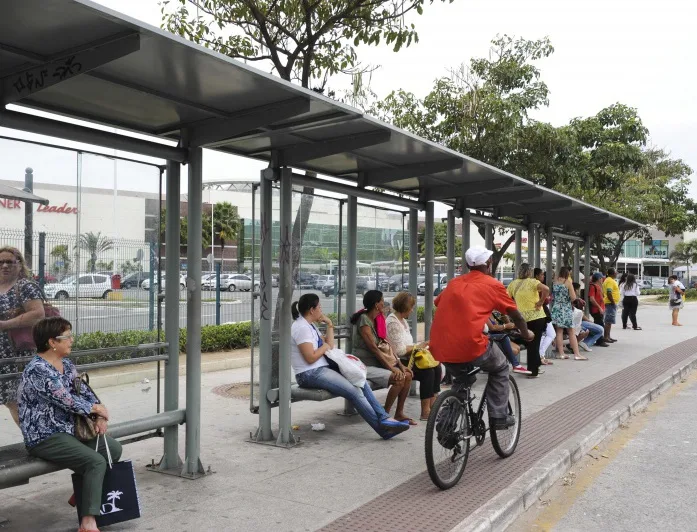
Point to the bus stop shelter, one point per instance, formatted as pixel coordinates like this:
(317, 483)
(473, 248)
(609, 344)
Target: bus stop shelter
(82, 61)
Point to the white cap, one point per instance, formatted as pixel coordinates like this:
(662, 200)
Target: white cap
(477, 256)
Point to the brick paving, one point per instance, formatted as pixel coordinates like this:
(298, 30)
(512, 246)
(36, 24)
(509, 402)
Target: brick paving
(418, 505)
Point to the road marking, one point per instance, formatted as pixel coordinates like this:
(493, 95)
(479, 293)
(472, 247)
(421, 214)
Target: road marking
(566, 491)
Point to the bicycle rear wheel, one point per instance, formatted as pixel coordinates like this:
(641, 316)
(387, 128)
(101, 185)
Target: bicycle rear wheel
(447, 440)
(505, 441)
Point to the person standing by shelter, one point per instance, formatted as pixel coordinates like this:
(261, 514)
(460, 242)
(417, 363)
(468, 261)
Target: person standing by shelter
(611, 292)
(675, 301)
(630, 292)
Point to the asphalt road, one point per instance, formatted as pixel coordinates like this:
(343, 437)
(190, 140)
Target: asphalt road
(134, 312)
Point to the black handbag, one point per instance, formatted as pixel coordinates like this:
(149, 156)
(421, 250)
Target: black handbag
(120, 501)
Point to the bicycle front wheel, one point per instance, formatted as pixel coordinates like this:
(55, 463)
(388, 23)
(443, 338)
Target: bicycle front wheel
(447, 440)
(505, 441)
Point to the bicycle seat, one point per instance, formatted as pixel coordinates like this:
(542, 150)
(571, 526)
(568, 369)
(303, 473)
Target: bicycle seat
(464, 375)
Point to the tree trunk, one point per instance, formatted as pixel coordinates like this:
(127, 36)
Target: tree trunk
(302, 217)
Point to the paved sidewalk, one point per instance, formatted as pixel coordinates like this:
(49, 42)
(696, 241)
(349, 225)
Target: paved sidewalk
(334, 472)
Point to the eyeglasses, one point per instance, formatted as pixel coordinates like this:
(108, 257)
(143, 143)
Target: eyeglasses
(65, 337)
(8, 262)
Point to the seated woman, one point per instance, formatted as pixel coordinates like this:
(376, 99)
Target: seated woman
(498, 328)
(48, 405)
(399, 337)
(384, 368)
(312, 369)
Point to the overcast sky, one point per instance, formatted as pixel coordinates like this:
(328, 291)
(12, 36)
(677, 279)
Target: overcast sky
(636, 52)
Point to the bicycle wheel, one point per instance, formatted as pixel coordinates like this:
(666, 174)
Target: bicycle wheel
(505, 441)
(447, 441)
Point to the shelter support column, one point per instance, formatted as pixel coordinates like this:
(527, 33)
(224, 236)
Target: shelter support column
(587, 267)
(428, 244)
(413, 264)
(264, 432)
(531, 245)
(451, 245)
(538, 247)
(170, 460)
(489, 236)
(518, 251)
(550, 264)
(577, 263)
(466, 228)
(285, 434)
(351, 259)
(560, 243)
(193, 468)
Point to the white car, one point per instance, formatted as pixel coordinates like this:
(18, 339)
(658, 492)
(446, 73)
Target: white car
(89, 285)
(421, 289)
(232, 282)
(145, 285)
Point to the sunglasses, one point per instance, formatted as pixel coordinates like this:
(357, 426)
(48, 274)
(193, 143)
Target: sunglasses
(65, 337)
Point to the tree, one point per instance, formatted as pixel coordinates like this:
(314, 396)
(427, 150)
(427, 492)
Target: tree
(440, 241)
(94, 244)
(183, 228)
(684, 254)
(61, 255)
(227, 223)
(306, 41)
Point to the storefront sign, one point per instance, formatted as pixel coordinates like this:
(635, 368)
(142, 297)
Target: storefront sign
(16, 204)
(657, 249)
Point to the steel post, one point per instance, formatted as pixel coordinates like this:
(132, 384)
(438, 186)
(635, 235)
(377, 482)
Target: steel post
(285, 293)
(413, 264)
(29, 220)
(466, 229)
(428, 294)
(217, 292)
(337, 275)
(531, 245)
(538, 247)
(153, 288)
(450, 273)
(489, 236)
(266, 298)
(587, 268)
(193, 468)
(550, 264)
(170, 459)
(577, 263)
(42, 259)
(558, 261)
(518, 251)
(351, 258)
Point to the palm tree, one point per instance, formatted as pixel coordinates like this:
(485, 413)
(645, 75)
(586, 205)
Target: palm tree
(685, 253)
(61, 253)
(94, 244)
(227, 224)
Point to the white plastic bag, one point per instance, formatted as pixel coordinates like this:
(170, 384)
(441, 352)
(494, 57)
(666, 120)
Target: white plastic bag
(350, 366)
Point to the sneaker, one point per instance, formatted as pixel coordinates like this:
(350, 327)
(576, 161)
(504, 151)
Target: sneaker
(501, 423)
(585, 347)
(601, 344)
(521, 369)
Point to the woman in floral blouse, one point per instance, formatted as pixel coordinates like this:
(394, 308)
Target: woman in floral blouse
(48, 405)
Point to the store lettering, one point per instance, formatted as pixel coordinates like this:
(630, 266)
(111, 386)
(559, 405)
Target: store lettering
(63, 209)
(10, 204)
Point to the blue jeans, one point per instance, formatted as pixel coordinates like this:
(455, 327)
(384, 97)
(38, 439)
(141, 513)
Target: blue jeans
(505, 344)
(363, 400)
(595, 332)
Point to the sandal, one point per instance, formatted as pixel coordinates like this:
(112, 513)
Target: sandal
(546, 362)
(411, 421)
(88, 530)
(564, 357)
(580, 357)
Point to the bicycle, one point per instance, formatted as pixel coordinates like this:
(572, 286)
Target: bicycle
(453, 422)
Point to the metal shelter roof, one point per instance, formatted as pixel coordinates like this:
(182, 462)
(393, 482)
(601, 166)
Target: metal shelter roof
(12, 193)
(81, 60)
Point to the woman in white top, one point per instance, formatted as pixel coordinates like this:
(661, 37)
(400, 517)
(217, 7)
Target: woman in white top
(675, 301)
(629, 295)
(399, 337)
(312, 369)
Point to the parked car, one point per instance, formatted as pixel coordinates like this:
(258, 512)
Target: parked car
(232, 282)
(419, 279)
(362, 286)
(421, 289)
(306, 280)
(89, 285)
(274, 281)
(48, 278)
(322, 280)
(145, 285)
(134, 280)
(394, 283)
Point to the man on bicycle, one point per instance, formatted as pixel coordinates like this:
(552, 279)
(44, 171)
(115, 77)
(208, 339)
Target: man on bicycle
(458, 337)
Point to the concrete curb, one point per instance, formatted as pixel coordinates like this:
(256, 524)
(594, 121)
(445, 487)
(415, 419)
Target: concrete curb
(509, 504)
(149, 371)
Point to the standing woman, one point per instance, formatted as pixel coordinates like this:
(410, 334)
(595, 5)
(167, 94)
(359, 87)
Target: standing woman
(399, 337)
(529, 295)
(550, 334)
(629, 294)
(675, 301)
(562, 313)
(21, 305)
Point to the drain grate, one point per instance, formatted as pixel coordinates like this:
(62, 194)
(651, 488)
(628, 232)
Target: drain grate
(486, 474)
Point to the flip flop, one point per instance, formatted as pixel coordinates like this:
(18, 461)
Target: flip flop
(546, 362)
(411, 421)
(564, 357)
(581, 358)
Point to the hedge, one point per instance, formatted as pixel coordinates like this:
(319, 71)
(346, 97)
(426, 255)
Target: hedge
(690, 293)
(213, 338)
